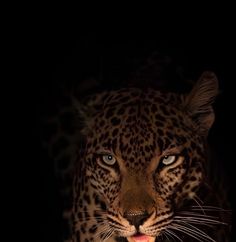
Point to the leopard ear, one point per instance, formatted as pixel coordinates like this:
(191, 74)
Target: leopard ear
(198, 103)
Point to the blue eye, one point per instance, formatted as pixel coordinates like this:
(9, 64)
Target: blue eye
(109, 159)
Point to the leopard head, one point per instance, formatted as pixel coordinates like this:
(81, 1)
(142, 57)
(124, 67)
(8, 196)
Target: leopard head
(144, 157)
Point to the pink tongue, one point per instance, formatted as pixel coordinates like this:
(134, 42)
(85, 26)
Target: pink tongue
(140, 238)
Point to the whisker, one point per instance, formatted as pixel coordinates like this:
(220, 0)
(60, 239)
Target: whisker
(118, 227)
(199, 203)
(198, 220)
(109, 234)
(163, 236)
(195, 233)
(198, 200)
(197, 223)
(166, 236)
(210, 208)
(186, 232)
(194, 214)
(101, 230)
(172, 234)
(187, 224)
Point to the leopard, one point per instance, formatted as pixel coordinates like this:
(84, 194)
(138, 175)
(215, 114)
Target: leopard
(140, 167)
(144, 159)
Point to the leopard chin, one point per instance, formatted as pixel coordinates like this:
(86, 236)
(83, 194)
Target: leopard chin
(141, 238)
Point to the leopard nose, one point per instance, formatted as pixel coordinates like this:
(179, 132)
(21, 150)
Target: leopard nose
(136, 219)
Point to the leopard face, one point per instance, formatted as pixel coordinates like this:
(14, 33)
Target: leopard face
(144, 158)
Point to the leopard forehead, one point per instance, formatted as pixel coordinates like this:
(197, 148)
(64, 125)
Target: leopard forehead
(138, 124)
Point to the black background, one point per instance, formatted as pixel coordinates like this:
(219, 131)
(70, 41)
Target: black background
(72, 50)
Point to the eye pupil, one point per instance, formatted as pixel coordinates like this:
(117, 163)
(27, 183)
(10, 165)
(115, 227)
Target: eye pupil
(109, 157)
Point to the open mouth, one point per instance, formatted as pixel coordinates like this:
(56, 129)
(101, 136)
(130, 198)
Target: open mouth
(141, 238)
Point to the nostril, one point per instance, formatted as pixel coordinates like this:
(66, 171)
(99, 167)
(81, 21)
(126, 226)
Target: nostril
(136, 219)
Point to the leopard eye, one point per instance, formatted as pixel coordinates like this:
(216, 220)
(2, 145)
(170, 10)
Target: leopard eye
(109, 159)
(168, 159)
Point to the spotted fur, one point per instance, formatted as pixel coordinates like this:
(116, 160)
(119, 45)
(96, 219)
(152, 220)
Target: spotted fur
(142, 167)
